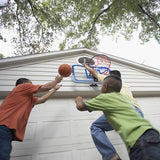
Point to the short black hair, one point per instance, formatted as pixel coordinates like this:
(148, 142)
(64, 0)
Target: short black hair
(115, 72)
(21, 81)
(113, 83)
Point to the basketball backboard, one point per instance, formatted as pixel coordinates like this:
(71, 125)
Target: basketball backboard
(81, 75)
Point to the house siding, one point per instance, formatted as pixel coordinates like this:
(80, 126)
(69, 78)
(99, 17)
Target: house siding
(44, 71)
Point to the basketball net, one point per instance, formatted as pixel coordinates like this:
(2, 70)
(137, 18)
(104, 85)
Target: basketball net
(101, 62)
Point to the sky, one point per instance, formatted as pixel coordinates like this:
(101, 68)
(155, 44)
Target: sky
(3, 2)
(147, 53)
(134, 50)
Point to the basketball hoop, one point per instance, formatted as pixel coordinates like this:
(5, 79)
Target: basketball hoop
(101, 63)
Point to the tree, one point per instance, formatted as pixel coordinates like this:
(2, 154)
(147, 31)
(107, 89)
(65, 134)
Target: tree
(1, 56)
(78, 23)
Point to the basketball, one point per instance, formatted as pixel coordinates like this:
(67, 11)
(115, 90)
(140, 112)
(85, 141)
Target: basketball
(65, 70)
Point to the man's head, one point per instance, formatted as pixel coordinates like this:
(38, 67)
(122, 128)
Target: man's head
(115, 72)
(22, 80)
(111, 83)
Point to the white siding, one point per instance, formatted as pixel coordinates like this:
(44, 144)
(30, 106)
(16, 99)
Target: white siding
(44, 71)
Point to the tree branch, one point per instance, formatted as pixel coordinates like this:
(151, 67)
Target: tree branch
(32, 8)
(47, 15)
(148, 15)
(20, 26)
(94, 22)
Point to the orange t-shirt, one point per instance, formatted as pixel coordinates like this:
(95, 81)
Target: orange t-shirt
(16, 108)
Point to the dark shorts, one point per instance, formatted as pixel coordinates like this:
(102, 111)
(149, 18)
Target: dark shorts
(5, 142)
(147, 146)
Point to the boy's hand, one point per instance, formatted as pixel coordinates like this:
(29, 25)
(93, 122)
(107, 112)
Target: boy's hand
(84, 62)
(79, 103)
(78, 99)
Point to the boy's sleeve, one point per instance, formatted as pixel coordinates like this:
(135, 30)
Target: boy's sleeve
(86, 107)
(95, 104)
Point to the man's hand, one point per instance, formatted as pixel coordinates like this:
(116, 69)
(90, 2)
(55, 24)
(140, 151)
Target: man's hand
(58, 79)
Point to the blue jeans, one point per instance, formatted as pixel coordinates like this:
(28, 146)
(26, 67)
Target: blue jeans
(5, 142)
(147, 147)
(101, 140)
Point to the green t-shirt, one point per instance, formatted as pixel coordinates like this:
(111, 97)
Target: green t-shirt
(122, 116)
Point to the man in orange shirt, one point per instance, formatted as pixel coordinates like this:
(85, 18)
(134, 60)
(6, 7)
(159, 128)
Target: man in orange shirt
(16, 108)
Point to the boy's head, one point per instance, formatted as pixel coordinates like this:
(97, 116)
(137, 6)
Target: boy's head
(22, 80)
(112, 83)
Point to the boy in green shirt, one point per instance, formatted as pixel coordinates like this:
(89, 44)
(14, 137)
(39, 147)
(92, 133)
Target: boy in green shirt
(101, 125)
(141, 139)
